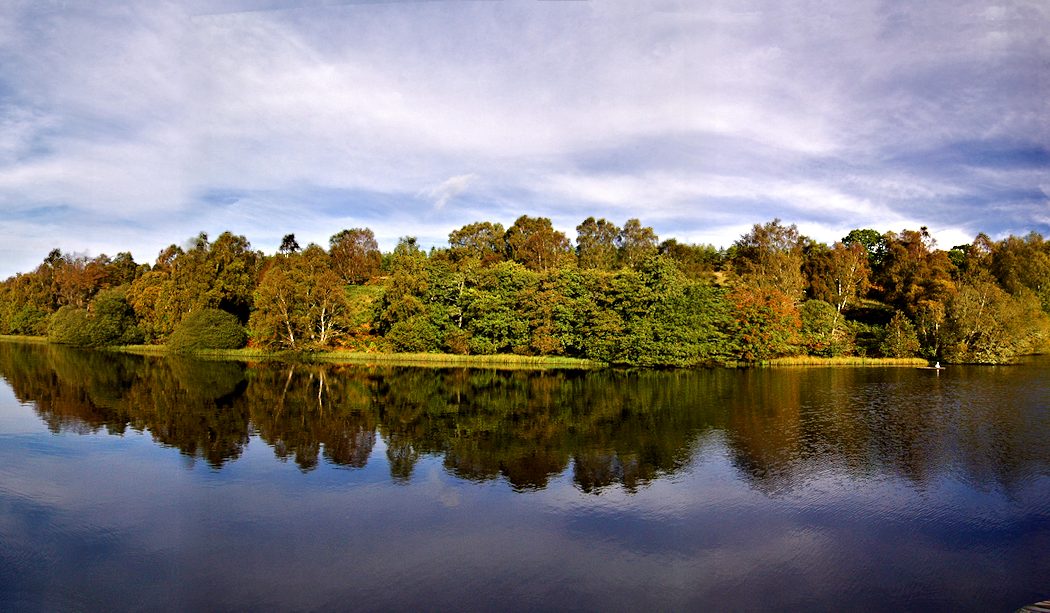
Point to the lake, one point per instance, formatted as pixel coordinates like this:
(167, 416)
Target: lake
(145, 483)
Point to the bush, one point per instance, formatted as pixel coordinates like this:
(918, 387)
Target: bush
(207, 329)
(108, 321)
(28, 320)
(414, 335)
(70, 326)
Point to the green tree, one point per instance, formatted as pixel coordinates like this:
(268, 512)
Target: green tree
(985, 324)
(770, 257)
(596, 244)
(355, 254)
(824, 332)
(109, 320)
(220, 275)
(695, 261)
(482, 241)
(533, 242)
(635, 244)
(900, 339)
(300, 303)
(874, 244)
(1023, 263)
(493, 318)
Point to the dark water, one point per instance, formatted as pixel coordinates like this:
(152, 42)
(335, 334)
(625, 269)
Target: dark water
(153, 484)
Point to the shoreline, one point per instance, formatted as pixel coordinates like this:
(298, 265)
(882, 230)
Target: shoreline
(440, 360)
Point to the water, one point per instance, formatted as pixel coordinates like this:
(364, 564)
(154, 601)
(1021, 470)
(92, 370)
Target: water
(131, 483)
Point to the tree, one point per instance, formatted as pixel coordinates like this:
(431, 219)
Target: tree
(873, 242)
(534, 242)
(493, 317)
(109, 320)
(839, 275)
(667, 319)
(404, 290)
(230, 273)
(766, 322)
(900, 340)
(988, 325)
(122, 270)
(300, 303)
(635, 244)
(695, 261)
(914, 277)
(355, 255)
(769, 257)
(596, 244)
(289, 244)
(823, 330)
(482, 241)
(1023, 263)
(77, 278)
(220, 275)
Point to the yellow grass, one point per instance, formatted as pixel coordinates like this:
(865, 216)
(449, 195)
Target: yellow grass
(447, 359)
(806, 360)
(391, 359)
(438, 360)
(14, 338)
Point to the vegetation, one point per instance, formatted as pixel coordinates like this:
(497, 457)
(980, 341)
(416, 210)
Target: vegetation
(619, 296)
(207, 329)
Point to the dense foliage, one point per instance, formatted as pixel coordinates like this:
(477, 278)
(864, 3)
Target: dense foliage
(208, 329)
(619, 296)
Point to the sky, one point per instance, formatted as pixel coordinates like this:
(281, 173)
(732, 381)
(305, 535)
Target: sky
(132, 126)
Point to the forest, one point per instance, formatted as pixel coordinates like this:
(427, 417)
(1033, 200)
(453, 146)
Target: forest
(619, 296)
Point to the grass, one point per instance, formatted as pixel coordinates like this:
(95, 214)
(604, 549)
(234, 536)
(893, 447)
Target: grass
(438, 360)
(447, 359)
(808, 360)
(16, 338)
(360, 357)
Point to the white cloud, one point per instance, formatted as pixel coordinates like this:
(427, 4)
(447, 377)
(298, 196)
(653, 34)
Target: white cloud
(449, 189)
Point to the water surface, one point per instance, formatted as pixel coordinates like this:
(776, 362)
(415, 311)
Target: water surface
(134, 483)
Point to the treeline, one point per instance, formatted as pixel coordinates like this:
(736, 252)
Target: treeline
(619, 295)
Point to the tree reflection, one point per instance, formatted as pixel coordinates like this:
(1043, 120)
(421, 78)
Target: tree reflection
(780, 428)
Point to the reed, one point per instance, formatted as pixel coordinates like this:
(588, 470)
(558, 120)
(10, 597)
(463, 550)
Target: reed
(357, 357)
(808, 360)
(447, 359)
(438, 360)
(16, 338)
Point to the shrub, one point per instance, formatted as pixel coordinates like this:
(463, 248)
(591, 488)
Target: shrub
(70, 326)
(207, 329)
(108, 321)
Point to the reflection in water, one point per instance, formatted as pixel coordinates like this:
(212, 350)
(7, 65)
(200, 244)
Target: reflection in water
(416, 489)
(782, 427)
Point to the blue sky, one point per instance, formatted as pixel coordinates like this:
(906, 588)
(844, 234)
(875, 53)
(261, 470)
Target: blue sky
(134, 126)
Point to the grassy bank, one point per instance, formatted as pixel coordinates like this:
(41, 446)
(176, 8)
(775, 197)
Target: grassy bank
(14, 338)
(446, 359)
(437, 360)
(391, 359)
(808, 360)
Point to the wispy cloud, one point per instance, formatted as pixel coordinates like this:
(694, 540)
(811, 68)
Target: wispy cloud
(449, 189)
